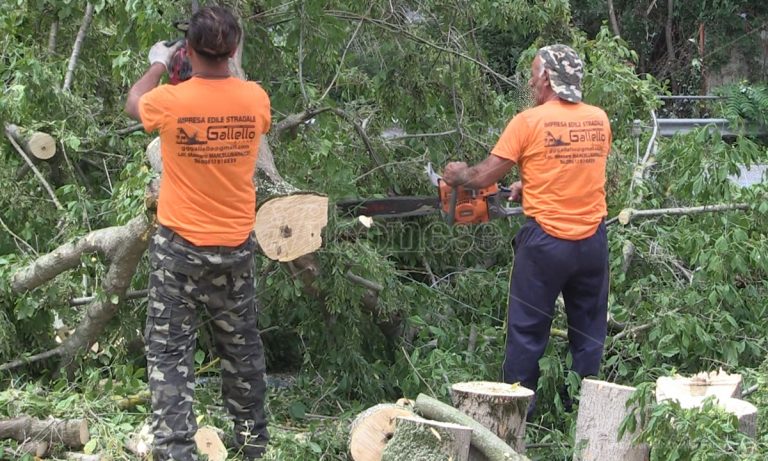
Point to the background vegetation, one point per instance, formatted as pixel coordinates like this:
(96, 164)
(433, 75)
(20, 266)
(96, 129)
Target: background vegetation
(427, 81)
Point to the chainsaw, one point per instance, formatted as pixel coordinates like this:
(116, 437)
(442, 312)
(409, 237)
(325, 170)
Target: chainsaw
(179, 68)
(457, 205)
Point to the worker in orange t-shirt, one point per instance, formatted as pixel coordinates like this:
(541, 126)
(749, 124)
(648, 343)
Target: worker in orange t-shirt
(202, 253)
(560, 146)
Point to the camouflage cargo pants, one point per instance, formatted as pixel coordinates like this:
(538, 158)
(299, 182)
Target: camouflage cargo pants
(184, 277)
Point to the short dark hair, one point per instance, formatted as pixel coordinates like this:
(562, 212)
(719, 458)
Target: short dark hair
(213, 32)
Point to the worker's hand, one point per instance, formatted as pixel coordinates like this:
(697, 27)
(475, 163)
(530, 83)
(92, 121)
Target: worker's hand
(162, 53)
(515, 191)
(455, 173)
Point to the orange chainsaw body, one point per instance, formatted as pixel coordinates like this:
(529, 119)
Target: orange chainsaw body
(471, 204)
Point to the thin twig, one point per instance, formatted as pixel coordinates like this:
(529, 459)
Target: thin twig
(341, 61)
(87, 18)
(129, 129)
(17, 238)
(356, 279)
(421, 135)
(426, 383)
(8, 133)
(629, 214)
(31, 359)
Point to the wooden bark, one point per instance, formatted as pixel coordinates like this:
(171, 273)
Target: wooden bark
(499, 407)
(36, 448)
(37, 144)
(9, 132)
(291, 226)
(628, 214)
(371, 430)
(602, 408)
(612, 18)
(209, 443)
(717, 383)
(140, 443)
(87, 18)
(72, 433)
(483, 440)
(418, 439)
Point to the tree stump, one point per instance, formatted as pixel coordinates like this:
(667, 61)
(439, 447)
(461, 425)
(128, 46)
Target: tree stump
(717, 383)
(500, 407)
(483, 440)
(291, 226)
(418, 439)
(72, 433)
(372, 429)
(602, 408)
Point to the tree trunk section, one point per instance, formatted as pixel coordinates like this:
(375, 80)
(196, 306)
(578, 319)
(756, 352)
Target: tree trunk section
(291, 226)
(209, 443)
(418, 439)
(39, 145)
(499, 407)
(371, 430)
(717, 383)
(70, 432)
(602, 408)
(485, 441)
(36, 448)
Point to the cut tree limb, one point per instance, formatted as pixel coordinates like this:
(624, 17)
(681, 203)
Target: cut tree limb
(419, 439)
(371, 430)
(500, 407)
(9, 129)
(87, 18)
(291, 226)
(72, 433)
(209, 443)
(602, 408)
(628, 214)
(36, 448)
(483, 440)
(37, 144)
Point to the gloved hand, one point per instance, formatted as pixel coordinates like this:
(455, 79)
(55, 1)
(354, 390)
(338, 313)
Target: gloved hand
(162, 53)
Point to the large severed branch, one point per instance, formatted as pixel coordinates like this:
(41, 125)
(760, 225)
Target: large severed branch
(67, 256)
(87, 18)
(124, 246)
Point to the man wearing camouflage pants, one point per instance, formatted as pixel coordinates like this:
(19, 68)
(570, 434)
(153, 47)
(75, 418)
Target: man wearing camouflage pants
(561, 147)
(202, 253)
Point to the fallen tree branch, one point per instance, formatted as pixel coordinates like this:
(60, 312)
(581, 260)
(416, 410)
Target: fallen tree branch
(72, 433)
(9, 132)
(52, 35)
(361, 133)
(628, 214)
(87, 18)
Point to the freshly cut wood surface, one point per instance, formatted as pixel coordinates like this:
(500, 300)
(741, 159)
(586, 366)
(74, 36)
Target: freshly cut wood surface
(291, 226)
(41, 145)
(500, 407)
(718, 383)
(418, 439)
(372, 429)
(209, 443)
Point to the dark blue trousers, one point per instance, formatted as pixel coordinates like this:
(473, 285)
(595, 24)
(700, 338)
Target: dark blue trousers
(544, 267)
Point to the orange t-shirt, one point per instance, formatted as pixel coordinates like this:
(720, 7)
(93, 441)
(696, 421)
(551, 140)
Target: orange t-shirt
(209, 140)
(561, 149)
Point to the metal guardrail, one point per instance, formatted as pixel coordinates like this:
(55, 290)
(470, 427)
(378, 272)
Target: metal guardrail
(671, 126)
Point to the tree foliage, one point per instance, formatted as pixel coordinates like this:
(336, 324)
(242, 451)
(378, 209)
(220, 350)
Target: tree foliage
(423, 81)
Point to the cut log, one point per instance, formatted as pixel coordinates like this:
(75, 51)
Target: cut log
(417, 439)
(72, 433)
(36, 448)
(717, 383)
(209, 443)
(483, 439)
(291, 226)
(371, 430)
(154, 156)
(602, 408)
(500, 407)
(37, 144)
(743, 410)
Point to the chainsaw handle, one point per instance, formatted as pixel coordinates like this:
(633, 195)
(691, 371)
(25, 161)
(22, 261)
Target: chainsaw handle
(451, 217)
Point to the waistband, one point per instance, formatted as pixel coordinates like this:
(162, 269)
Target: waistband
(175, 237)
